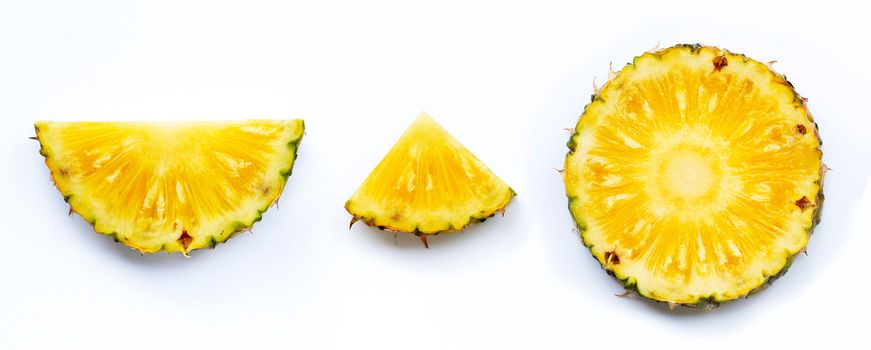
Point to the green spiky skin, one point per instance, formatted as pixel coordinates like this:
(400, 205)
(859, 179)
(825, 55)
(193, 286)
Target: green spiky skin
(370, 221)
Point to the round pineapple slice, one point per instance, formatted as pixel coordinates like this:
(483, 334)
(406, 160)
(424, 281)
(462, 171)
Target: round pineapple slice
(428, 183)
(174, 186)
(695, 175)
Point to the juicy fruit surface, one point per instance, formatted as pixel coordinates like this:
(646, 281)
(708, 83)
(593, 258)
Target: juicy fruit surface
(428, 183)
(694, 175)
(173, 186)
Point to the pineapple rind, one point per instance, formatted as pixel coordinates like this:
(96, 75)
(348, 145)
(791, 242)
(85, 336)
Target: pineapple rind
(474, 219)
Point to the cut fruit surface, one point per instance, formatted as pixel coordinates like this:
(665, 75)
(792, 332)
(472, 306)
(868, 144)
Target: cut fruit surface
(173, 186)
(695, 175)
(428, 183)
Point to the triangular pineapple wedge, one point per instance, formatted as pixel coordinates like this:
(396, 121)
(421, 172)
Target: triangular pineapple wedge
(173, 186)
(427, 184)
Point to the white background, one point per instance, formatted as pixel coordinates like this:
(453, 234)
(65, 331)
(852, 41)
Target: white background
(505, 79)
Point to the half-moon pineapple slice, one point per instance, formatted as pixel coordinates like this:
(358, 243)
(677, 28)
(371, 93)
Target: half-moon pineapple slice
(173, 186)
(428, 183)
(695, 175)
